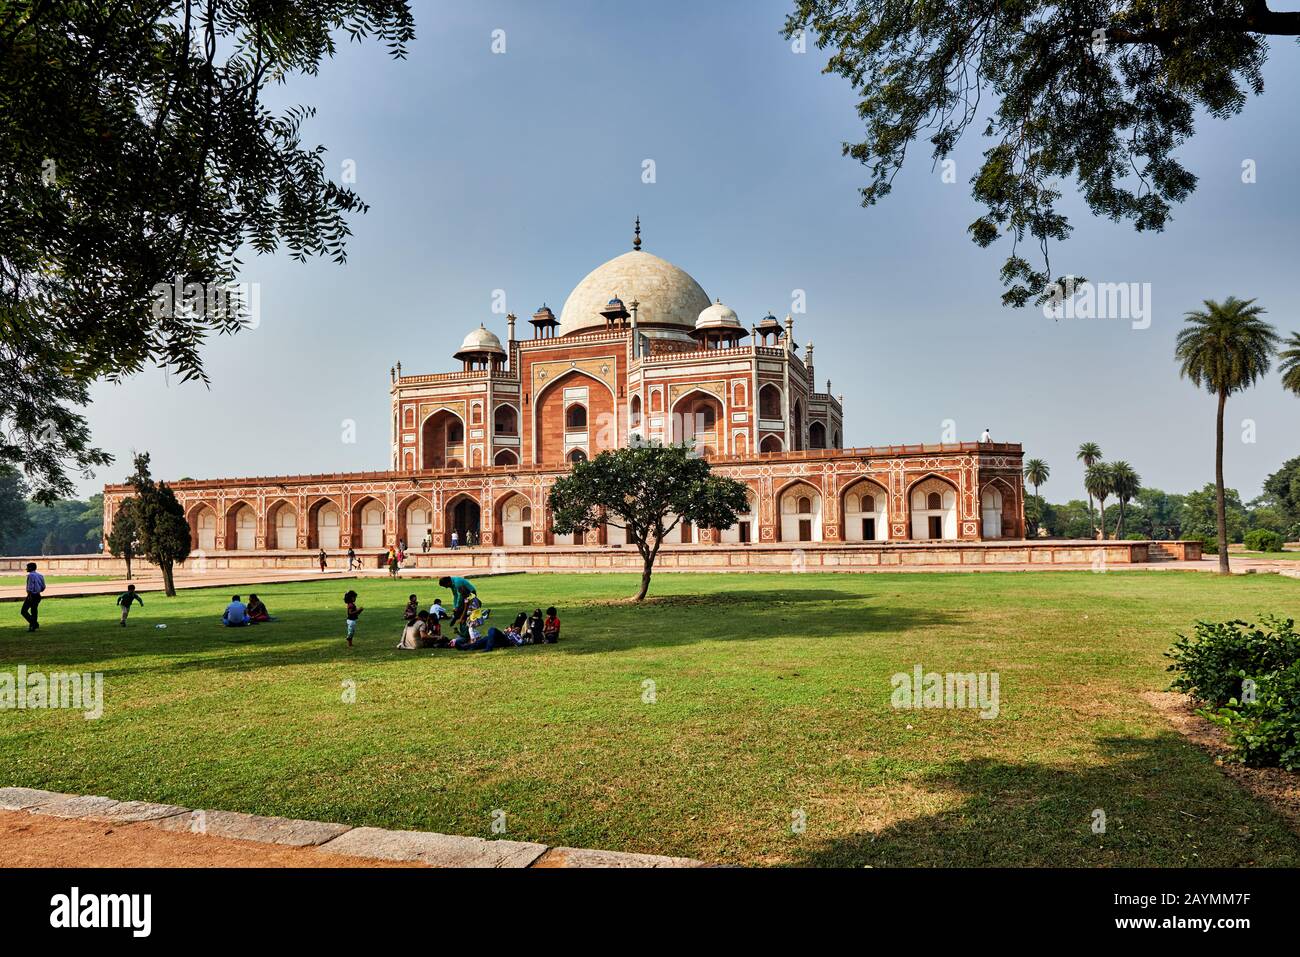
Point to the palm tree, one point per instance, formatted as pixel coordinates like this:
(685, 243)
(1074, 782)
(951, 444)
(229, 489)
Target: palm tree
(1224, 348)
(1126, 483)
(1099, 481)
(1290, 367)
(1090, 455)
(1037, 473)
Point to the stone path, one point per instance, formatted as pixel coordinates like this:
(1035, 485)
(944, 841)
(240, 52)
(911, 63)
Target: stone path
(49, 829)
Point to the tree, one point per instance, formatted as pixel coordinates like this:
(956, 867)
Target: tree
(1100, 483)
(1224, 348)
(123, 539)
(1089, 454)
(1283, 487)
(138, 161)
(1290, 364)
(1199, 515)
(1126, 483)
(647, 490)
(13, 507)
(1037, 473)
(1099, 93)
(164, 535)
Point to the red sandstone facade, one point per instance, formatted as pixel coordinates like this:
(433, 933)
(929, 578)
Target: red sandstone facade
(477, 450)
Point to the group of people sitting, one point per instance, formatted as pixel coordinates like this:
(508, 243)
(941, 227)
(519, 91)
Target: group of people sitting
(238, 614)
(469, 630)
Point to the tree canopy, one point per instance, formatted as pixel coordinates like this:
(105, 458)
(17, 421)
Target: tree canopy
(161, 533)
(1099, 92)
(137, 161)
(647, 490)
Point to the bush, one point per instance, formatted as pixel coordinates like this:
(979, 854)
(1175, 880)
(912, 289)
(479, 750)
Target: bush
(1209, 545)
(1263, 540)
(1210, 666)
(1265, 731)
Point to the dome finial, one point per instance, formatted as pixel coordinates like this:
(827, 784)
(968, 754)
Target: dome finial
(636, 239)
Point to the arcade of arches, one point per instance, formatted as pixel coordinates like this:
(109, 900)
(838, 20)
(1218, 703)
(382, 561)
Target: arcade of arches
(929, 506)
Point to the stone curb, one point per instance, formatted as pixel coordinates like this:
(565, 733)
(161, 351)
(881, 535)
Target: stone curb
(424, 847)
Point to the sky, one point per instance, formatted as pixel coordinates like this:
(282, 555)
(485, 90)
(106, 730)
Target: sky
(522, 170)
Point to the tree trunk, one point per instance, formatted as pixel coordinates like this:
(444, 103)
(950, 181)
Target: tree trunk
(648, 555)
(1091, 518)
(1101, 513)
(1221, 508)
(127, 556)
(169, 586)
(1119, 532)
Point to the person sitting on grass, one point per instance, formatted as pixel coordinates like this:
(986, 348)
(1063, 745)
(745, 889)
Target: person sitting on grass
(412, 609)
(236, 615)
(257, 610)
(535, 633)
(493, 639)
(436, 611)
(350, 600)
(551, 628)
(126, 599)
(416, 633)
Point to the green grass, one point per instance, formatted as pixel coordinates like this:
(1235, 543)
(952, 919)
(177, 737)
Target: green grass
(773, 697)
(1286, 555)
(7, 580)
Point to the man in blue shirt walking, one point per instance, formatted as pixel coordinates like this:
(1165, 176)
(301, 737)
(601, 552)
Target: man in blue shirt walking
(31, 604)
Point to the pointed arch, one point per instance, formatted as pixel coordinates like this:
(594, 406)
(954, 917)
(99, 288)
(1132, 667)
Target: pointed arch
(864, 504)
(932, 507)
(799, 509)
(324, 523)
(282, 525)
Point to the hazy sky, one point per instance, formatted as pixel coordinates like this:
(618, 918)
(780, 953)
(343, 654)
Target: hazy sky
(522, 171)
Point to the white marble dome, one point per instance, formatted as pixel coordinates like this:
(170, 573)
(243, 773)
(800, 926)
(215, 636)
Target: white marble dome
(480, 340)
(667, 294)
(718, 316)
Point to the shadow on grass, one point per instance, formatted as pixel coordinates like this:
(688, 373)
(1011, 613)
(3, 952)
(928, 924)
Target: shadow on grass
(598, 627)
(1164, 802)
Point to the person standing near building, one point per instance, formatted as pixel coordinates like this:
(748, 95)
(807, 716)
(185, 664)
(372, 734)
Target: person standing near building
(31, 604)
(352, 558)
(322, 559)
(987, 436)
(455, 539)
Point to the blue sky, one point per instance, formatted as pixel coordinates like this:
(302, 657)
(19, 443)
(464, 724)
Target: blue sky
(522, 171)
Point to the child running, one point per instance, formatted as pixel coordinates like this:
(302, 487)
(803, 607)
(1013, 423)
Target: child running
(125, 599)
(350, 599)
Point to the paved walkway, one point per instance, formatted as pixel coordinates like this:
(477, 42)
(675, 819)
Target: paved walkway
(48, 829)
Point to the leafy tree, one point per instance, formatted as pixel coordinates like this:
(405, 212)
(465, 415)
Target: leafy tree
(1199, 517)
(163, 533)
(1125, 483)
(123, 540)
(1283, 487)
(1224, 348)
(138, 157)
(1100, 483)
(92, 516)
(1290, 365)
(13, 507)
(646, 490)
(1099, 93)
(1037, 472)
(1071, 520)
(1160, 513)
(1089, 454)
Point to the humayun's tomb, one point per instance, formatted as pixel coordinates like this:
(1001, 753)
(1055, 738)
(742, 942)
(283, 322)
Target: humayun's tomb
(638, 352)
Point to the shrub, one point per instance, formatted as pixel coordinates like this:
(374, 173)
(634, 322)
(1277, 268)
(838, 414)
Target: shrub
(1265, 731)
(1263, 540)
(1210, 665)
(1209, 545)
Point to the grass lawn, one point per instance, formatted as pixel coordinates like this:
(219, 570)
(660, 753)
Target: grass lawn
(772, 700)
(1285, 555)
